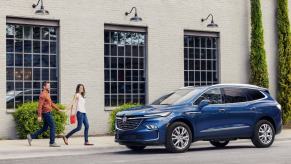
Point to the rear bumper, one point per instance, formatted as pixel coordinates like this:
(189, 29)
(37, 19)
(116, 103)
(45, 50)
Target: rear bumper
(279, 128)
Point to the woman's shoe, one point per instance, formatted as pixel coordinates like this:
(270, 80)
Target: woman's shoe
(88, 144)
(65, 140)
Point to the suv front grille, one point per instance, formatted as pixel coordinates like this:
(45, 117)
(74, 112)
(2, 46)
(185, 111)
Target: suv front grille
(129, 124)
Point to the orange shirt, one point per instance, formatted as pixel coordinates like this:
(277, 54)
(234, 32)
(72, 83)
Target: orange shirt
(45, 103)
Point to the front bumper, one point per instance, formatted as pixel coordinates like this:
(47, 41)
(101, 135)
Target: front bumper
(137, 137)
(142, 135)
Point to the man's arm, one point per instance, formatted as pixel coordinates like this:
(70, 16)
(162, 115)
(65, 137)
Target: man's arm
(40, 105)
(56, 107)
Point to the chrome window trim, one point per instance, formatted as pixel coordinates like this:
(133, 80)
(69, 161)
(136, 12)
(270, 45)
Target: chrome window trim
(221, 87)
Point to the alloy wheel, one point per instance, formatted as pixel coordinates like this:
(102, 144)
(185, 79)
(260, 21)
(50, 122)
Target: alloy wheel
(180, 137)
(265, 133)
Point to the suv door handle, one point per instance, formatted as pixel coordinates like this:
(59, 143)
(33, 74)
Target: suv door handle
(253, 108)
(221, 110)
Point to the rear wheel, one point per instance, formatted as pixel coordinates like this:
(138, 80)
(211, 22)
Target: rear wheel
(219, 144)
(179, 137)
(264, 134)
(136, 148)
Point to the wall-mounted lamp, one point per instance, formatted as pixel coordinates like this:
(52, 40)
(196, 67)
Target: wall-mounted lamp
(135, 18)
(211, 24)
(40, 11)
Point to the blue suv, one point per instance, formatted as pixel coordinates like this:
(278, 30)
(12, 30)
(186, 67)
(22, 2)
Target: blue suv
(217, 113)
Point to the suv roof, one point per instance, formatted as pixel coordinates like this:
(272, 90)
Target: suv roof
(227, 85)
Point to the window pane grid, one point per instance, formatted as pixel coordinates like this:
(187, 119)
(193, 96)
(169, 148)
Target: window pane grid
(124, 71)
(200, 60)
(29, 62)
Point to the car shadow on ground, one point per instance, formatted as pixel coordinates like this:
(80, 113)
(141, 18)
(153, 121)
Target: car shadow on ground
(161, 150)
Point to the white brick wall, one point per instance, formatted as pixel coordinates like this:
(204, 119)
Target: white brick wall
(81, 44)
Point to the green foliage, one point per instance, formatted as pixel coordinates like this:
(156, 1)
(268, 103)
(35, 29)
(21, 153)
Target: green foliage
(25, 118)
(115, 111)
(284, 54)
(258, 63)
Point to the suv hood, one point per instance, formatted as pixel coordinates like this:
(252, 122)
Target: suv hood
(143, 110)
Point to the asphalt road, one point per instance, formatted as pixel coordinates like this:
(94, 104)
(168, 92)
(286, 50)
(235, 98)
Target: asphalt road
(236, 152)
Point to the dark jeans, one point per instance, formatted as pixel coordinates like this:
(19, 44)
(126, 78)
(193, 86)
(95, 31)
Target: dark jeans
(47, 122)
(82, 119)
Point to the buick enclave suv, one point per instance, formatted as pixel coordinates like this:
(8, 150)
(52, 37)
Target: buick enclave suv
(218, 114)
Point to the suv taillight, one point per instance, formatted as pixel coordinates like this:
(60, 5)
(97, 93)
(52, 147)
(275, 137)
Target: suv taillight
(279, 106)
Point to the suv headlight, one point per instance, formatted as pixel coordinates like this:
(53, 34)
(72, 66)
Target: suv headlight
(162, 114)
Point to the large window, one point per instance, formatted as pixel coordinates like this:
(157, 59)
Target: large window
(31, 57)
(200, 59)
(124, 67)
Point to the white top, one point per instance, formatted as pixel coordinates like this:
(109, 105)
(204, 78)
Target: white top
(81, 103)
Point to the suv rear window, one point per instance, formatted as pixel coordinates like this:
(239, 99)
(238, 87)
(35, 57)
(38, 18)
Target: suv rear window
(254, 94)
(234, 95)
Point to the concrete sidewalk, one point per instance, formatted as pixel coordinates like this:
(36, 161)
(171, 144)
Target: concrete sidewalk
(12, 149)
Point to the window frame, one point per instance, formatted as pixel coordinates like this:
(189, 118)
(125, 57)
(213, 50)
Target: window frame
(41, 24)
(212, 34)
(133, 29)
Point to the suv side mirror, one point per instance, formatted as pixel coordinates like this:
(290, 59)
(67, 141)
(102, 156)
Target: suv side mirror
(203, 103)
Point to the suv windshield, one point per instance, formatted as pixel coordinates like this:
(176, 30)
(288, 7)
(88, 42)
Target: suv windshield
(178, 97)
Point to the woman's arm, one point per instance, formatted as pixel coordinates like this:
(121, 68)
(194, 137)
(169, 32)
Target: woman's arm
(74, 101)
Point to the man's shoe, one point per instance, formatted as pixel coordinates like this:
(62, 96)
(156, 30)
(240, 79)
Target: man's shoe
(88, 144)
(54, 145)
(29, 139)
(65, 140)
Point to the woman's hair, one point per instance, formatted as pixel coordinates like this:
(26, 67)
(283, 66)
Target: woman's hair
(78, 88)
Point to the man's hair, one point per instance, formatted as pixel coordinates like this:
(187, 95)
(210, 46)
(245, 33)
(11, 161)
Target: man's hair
(45, 83)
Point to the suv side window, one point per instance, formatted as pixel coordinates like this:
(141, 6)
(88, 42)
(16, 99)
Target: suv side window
(234, 95)
(213, 95)
(254, 94)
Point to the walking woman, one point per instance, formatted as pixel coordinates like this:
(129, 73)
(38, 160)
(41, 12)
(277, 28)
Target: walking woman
(79, 100)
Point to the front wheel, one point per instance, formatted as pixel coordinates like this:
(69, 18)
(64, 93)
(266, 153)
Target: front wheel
(179, 137)
(136, 148)
(219, 144)
(264, 134)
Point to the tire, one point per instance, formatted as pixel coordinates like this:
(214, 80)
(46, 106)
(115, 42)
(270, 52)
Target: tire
(179, 138)
(136, 148)
(264, 134)
(219, 144)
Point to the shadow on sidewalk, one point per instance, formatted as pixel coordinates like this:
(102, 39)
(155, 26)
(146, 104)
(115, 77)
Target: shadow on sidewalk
(163, 150)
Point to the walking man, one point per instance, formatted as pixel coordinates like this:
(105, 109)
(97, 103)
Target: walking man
(45, 107)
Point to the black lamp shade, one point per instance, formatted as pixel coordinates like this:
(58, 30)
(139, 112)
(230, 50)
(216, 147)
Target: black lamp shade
(41, 12)
(136, 19)
(212, 25)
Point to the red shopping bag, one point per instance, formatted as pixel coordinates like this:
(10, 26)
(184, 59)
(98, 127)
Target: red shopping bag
(73, 119)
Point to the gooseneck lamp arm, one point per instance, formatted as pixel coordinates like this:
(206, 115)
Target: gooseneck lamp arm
(41, 4)
(202, 20)
(135, 13)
